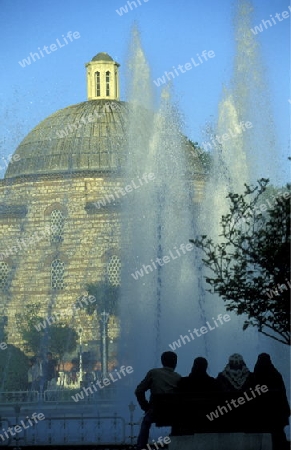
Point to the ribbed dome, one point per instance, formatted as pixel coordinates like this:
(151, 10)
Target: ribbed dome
(102, 56)
(87, 136)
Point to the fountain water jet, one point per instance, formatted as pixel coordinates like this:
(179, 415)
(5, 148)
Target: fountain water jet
(245, 157)
(157, 222)
(160, 217)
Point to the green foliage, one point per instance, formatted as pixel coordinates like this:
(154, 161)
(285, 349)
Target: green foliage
(26, 322)
(57, 338)
(3, 330)
(62, 339)
(251, 263)
(106, 297)
(13, 369)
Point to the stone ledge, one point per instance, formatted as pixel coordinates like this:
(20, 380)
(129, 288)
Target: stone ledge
(222, 441)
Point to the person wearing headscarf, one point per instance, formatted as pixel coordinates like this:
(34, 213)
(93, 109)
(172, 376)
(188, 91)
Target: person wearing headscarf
(234, 382)
(274, 405)
(236, 376)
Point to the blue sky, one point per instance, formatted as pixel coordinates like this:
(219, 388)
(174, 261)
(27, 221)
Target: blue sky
(172, 32)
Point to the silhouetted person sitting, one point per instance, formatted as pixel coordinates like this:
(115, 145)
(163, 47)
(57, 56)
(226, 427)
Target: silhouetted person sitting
(236, 376)
(200, 388)
(274, 406)
(159, 381)
(198, 380)
(235, 382)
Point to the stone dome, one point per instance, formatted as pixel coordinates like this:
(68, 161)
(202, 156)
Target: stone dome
(88, 136)
(102, 56)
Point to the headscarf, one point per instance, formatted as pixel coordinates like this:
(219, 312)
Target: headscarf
(236, 371)
(265, 372)
(264, 364)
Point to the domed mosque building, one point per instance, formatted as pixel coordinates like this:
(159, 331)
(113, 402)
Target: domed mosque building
(54, 240)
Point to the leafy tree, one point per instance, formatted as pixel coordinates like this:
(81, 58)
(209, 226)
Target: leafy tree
(26, 322)
(13, 369)
(3, 330)
(58, 338)
(250, 265)
(62, 339)
(106, 295)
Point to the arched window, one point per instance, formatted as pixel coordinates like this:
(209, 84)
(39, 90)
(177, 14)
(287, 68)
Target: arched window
(57, 274)
(57, 226)
(108, 84)
(97, 83)
(113, 270)
(4, 271)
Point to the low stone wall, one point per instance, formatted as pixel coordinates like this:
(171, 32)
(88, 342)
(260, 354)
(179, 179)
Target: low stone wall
(222, 441)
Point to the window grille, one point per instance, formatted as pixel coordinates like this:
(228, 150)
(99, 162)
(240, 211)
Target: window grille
(4, 271)
(57, 226)
(113, 270)
(57, 274)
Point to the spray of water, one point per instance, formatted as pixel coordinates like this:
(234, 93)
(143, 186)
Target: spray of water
(156, 226)
(168, 300)
(247, 154)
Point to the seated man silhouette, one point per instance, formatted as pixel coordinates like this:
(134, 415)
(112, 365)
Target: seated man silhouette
(159, 381)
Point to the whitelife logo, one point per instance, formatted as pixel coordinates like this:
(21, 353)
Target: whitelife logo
(24, 244)
(280, 287)
(134, 184)
(53, 47)
(124, 9)
(162, 261)
(160, 442)
(19, 429)
(202, 330)
(267, 23)
(71, 127)
(49, 320)
(240, 400)
(187, 66)
(263, 207)
(102, 384)
(239, 128)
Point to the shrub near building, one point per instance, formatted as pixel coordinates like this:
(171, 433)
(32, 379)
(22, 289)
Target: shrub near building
(13, 369)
